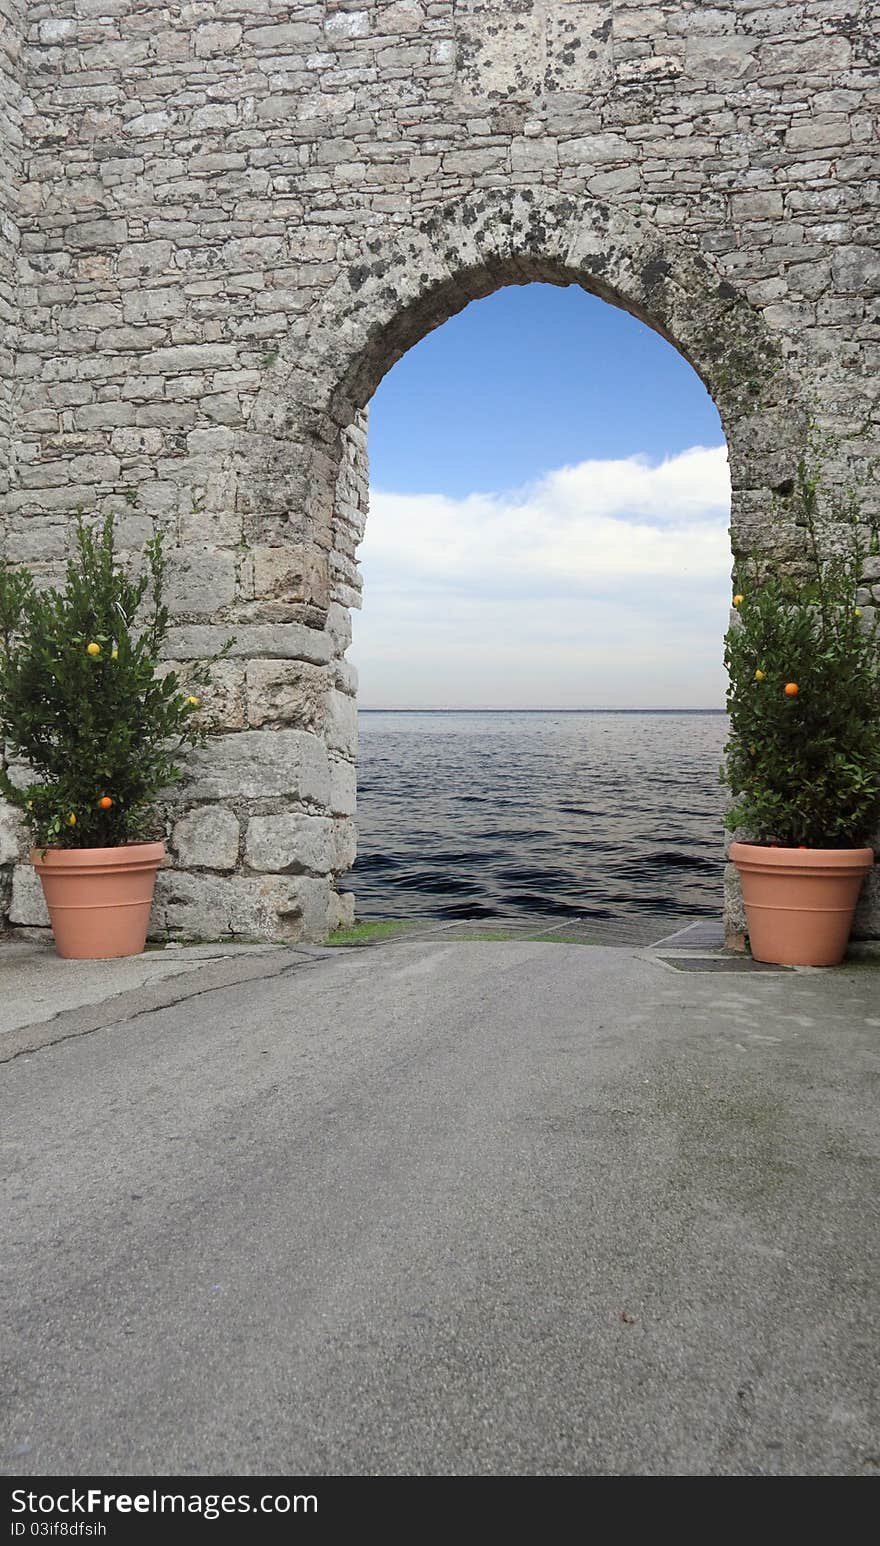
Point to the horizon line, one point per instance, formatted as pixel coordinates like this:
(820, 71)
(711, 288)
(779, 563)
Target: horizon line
(526, 709)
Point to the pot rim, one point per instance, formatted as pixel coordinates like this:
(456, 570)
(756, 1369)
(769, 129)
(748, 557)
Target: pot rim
(775, 856)
(125, 854)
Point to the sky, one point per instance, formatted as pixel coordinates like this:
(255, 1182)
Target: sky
(548, 516)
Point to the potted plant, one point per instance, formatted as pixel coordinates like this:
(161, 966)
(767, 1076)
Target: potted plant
(85, 703)
(803, 756)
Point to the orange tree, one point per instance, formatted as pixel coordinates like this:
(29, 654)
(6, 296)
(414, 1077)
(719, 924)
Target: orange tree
(803, 756)
(84, 701)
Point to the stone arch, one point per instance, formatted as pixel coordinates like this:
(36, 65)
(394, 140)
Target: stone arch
(408, 280)
(301, 464)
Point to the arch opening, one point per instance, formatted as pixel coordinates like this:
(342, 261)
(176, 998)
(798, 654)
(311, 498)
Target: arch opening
(546, 554)
(302, 468)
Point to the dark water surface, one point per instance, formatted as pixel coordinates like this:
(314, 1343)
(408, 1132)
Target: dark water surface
(596, 814)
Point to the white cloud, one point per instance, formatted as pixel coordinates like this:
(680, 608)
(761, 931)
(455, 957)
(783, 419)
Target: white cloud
(603, 583)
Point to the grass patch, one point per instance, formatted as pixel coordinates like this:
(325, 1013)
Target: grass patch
(372, 932)
(502, 935)
(369, 933)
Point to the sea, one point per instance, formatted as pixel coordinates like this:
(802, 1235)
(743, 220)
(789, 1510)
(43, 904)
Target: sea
(512, 813)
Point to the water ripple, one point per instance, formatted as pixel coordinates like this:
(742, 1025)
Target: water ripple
(500, 814)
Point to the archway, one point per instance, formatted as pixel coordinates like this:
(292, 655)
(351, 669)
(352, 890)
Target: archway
(546, 581)
(302, 472)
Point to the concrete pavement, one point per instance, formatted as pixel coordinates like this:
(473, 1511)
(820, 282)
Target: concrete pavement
(448, 1207)
(44, 999)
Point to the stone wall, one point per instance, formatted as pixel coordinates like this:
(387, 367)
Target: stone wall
(11, 33)
(11, 37)
(235, 215)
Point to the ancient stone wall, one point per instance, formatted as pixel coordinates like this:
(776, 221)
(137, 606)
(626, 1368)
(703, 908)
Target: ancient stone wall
(11, 39)
(11, 34)
(236, 214)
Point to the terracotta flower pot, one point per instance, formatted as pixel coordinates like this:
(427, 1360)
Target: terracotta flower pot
(99, 899)
(800, 901)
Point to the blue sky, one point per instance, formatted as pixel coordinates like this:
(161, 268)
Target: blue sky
(548, 516)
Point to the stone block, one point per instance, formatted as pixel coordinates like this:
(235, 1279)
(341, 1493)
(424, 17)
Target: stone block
(200, 583)
(595, 150)
(130, 339)
(217, 440)
(281, 692)
(207, 838)
(136, 442)
(715, 59)
(222, 693)
(735, 924)
(343, 787)
(223, 408)
(764, 204)
(654, 69)
(148, 123)
(290, 842)
(346, 677)
(217, 115)
(284, 37)
(857, 270)
(341, 911)
(341, 724)
(347, 24)
(153, 305)
(150, 257)
(818, 134)
(610, 184)
(56, 30)
(28, 905)
(289, 573)
(97, 233)
(217, 38)
(269, 641)
(638, 22)
(338, 629)
(13, 834)
(260, 763)
(203, 906)
(179, 358)
(404, 17)
(530, 155)
(344, 844)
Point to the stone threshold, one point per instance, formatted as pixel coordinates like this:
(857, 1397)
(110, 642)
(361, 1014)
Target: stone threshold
(696, 946)
(642, 930)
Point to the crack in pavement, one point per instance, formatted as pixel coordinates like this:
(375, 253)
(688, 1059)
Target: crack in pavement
(132, 1003)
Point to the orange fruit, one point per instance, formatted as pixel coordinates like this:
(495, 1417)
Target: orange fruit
(738, 600)
(759, 675)
(93, 648)
(791, 689)
(105, 802)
